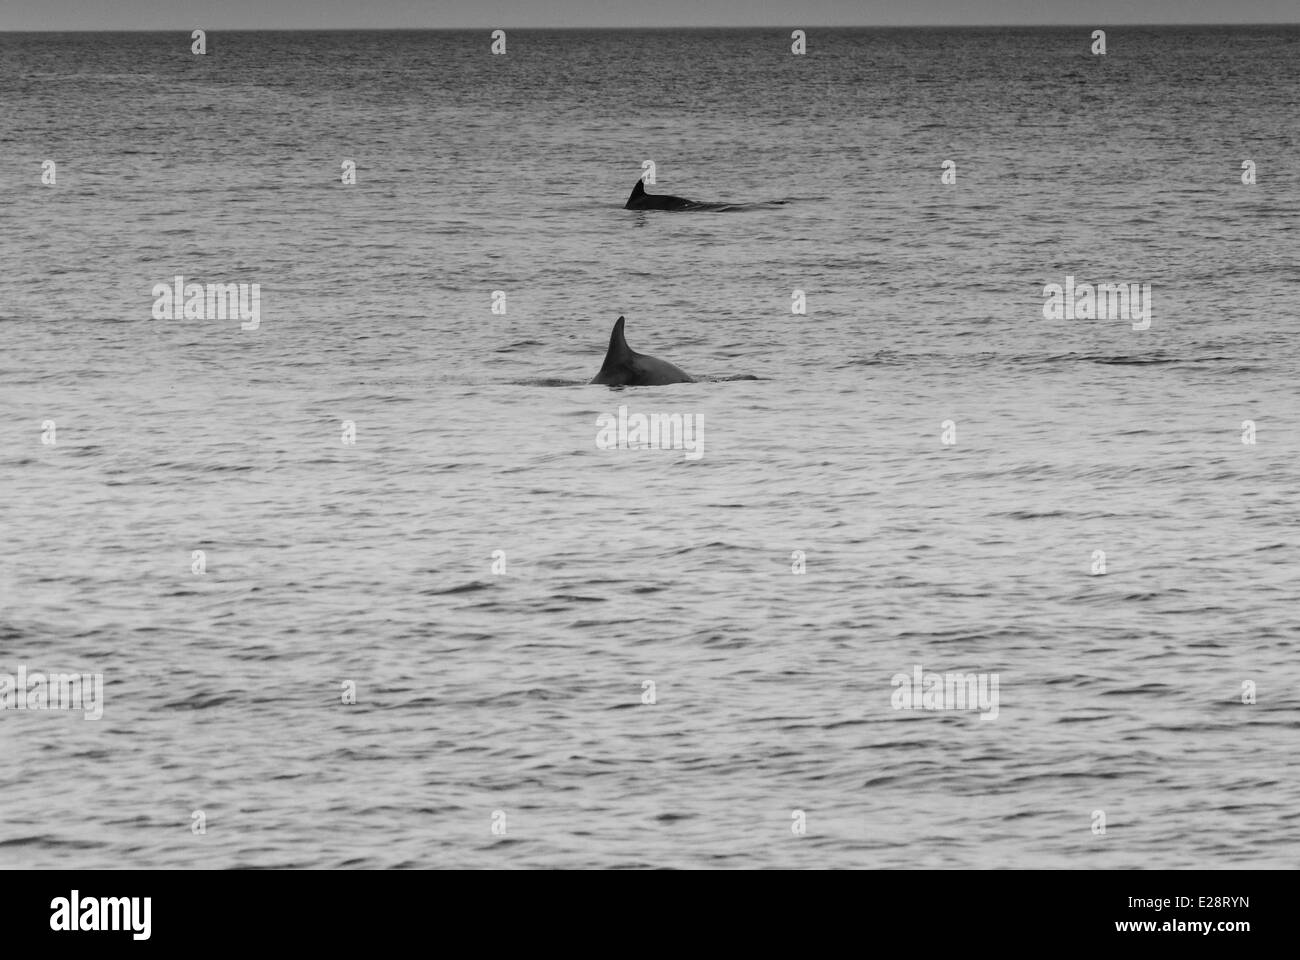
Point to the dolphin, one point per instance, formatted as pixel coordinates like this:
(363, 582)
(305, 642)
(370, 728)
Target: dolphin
(640, 200)
(625, 368)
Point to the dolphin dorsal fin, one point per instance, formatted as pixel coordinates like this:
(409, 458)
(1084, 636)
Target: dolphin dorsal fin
(618, 348)
(639, 189)
(617, 357)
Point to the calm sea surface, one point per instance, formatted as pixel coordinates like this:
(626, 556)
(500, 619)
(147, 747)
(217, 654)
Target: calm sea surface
(514, 699)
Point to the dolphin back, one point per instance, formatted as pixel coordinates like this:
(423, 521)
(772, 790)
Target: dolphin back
(623, 367)
(640, 200)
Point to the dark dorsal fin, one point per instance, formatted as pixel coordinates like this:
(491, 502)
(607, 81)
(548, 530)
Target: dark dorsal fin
(617, 357)
(618, 348)
(638, 190)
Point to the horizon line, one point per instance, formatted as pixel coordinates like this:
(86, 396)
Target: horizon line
(1094, 24)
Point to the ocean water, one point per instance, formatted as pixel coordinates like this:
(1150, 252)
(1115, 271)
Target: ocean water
(499, 717)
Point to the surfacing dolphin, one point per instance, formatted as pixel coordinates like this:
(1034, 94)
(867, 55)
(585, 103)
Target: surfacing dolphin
(623, 367)
(640, 200)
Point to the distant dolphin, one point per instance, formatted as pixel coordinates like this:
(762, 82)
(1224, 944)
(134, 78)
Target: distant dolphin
(625, 368)
(640, 200)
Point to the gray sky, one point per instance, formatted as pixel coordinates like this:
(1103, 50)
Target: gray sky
(308, 14)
